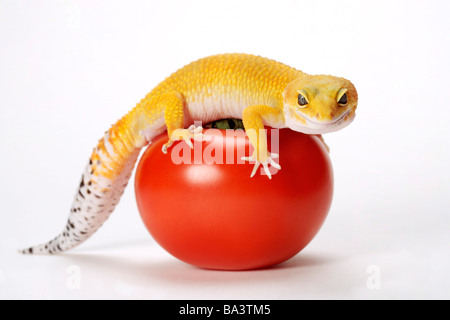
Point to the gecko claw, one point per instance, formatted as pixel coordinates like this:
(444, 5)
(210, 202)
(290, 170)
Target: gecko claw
(274, 164)
(195, 133)
(255, 167)
(193, 129)
(265, 164)
(274, 155)
(166, 146)
(266, 170)
(191, 133)
(189, 142)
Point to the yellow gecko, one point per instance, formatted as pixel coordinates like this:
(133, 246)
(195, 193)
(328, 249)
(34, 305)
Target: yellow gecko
(257, 90)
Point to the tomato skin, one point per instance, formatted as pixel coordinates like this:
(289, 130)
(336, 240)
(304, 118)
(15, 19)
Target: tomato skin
(215, 216)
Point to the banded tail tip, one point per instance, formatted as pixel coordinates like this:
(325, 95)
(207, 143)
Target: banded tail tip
(24, 251)
(43, 249)
(27, 251)
(32, 251)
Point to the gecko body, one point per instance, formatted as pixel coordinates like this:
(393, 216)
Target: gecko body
(260, 91)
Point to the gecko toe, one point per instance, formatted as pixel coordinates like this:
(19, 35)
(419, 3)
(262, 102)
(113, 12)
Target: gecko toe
(255, 168)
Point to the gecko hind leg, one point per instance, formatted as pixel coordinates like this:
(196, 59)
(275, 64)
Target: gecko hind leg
(173, 104)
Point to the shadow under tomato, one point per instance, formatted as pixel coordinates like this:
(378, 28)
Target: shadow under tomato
(142, 272)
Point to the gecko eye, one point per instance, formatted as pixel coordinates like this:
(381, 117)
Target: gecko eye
(302, 101)
(343, 99)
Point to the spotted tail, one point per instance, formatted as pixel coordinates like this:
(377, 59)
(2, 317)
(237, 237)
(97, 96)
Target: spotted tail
(102, 184)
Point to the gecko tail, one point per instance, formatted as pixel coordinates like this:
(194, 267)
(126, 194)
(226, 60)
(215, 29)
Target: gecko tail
(66, 240)
(93, 204)
(51, 247)
(102, 184)
(75, 233)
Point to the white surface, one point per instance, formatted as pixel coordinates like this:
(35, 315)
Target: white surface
(69, 69)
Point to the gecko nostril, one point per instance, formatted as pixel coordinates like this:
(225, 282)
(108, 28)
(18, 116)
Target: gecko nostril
(317, 115)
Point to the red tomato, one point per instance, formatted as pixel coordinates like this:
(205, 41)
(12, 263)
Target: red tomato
(215, 216)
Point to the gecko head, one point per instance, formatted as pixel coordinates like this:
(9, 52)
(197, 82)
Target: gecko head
(316, 104)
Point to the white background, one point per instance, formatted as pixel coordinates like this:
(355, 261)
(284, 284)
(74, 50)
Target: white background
(69, 69)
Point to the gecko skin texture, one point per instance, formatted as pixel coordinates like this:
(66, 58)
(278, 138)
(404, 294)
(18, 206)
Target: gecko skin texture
(260, 91)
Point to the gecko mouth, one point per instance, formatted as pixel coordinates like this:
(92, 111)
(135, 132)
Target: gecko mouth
(311, 126)
(326, 123)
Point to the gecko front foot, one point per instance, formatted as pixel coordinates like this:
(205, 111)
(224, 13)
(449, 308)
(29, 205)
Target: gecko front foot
(265, 163)
(191, 133)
